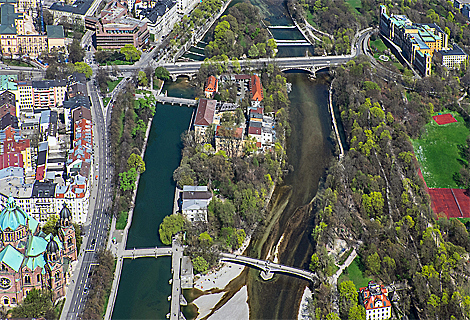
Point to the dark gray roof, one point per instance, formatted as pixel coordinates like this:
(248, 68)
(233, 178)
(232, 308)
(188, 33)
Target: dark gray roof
(159, 10)
(52, 247)
(78, 7)
(65, 213)
(76, 77)
(43, 190)
(45, 84)
(187, 195)
(8, 120)
(7, 19)
(76, 102)
(256, 124)
(456, 50)
(55, 32)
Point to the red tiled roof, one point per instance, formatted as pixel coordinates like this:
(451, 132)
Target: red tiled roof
(259, 110)
(211, 84)
(254, 130)
(205, 112)
(256, 88)
(374, 300)
(40, 171)
(242, 76)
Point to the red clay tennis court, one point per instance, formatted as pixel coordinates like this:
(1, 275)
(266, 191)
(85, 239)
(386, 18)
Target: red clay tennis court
(455, 203)
(444, 119)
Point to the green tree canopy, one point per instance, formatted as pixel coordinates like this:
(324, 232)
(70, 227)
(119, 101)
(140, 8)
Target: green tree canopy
(170, 226)
(200, 264)
(142, 79)
(37, 304)
(162, 73)
(51, 225)
(135, 161)
(131, 52)
(82, 67)
(127, 179)
(224, 211)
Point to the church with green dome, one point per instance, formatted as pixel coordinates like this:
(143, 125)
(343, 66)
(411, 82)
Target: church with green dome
(29, 258)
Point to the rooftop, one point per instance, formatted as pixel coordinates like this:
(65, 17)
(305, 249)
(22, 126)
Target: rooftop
(205, 112)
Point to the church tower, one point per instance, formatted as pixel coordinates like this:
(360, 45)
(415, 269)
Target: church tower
(67, 233)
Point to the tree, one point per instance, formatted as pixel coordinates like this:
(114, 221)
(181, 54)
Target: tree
(373, 263)
(37, 304)
(253, 52)
(373, 203)
(51, 225)
(223, 211)
(131, 52)
(135, 161)
(200, 264)
(170, 226)
(357, 312)
(84, 68)
(205, 239)
(184, 176)
(142, 79)
(162, 73)
(76, 52)
(127, 179)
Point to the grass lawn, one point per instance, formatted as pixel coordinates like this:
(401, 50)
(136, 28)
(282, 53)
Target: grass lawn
(355, 4)
(105, 101)
(143, 91)
(16, 63)
(122, 220)
(118, 62)
(438, 152)
(113, 84)
(378, 43)
(355, 273)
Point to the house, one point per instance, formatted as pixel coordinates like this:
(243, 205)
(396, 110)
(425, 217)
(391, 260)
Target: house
(204, 116)
(194, 203)
(55, 38)
(375, 299)
(256, 90)
(74, 13)
(211, 87)
(160, 17)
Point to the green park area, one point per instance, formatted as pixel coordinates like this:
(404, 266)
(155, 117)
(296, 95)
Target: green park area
(113, 84)
(356, 4)
(355, 273)
(378, 44)
(439, 152)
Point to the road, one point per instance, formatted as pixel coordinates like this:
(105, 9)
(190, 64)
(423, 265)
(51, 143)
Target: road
(97, 224)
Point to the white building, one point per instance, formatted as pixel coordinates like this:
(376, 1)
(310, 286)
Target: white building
(374, 299)
(161, 18)
(452, 58)
(195, 202)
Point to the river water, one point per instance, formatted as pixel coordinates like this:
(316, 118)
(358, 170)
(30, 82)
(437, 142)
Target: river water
(144, 286)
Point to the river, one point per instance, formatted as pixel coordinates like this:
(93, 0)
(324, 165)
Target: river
(144, 287)
(144, 284)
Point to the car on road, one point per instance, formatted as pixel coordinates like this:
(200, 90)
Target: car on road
(85, 290)
(93, 241)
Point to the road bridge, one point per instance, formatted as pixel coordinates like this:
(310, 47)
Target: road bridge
(173, 100)
(268, 268)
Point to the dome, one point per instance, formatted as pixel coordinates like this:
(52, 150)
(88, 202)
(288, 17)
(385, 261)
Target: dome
(12, 216)
(65, 213)
(52, 246)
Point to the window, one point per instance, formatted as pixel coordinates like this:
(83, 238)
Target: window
(13, 300)
(38, 278)
(27, 279)
(6, 301)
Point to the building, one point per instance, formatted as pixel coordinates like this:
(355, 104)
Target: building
(195, 202)
(374, 298)
(256, 90)
(18, 36)
(452, 58)
(418, 42)
(160, 18)
(204, 116)
(74, 13)
(212, 87)
(466, 11)
(459, 4)
(41, 94)
(29, 258)
(115, 29)
(55, 38)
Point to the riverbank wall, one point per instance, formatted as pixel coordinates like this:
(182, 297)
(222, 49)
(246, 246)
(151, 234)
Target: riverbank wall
(333, 118)
(121, 246)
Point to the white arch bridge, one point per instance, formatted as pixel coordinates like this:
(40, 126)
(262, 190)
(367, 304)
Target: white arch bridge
(268, 268)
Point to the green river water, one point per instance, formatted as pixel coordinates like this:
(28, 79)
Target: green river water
(144, 286)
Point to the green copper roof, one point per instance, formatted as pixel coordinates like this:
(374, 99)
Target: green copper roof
(36, 246)
(33, 262)
(56, 239)
(11, 257)
(12, 217)
(7, 19)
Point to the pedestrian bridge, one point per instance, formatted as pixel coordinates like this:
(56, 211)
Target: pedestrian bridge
(268, 268)
(147, 252)
(173, 101)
